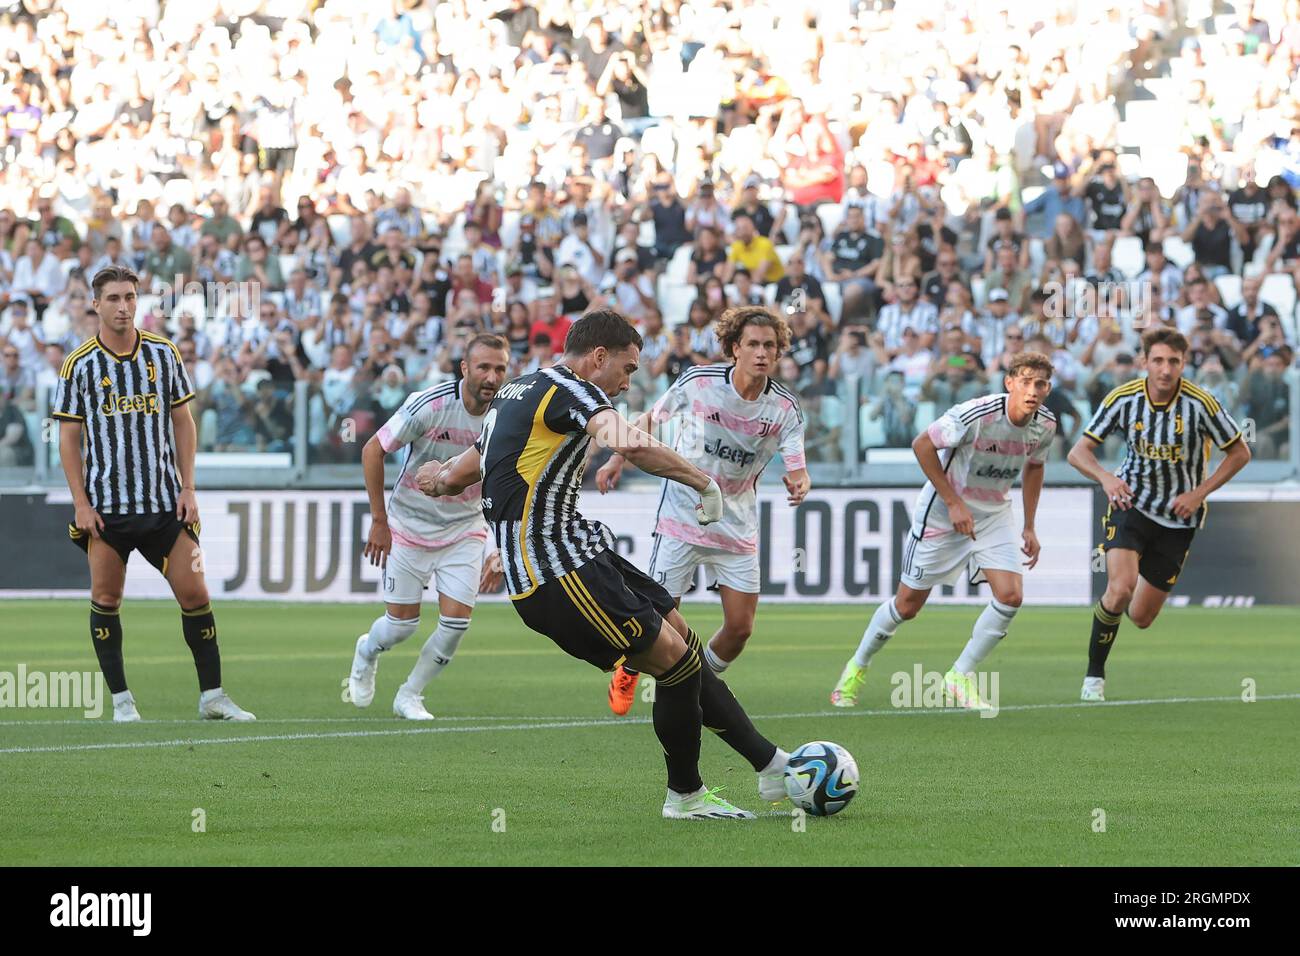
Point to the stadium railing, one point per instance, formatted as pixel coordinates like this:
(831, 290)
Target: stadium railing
(845, 441)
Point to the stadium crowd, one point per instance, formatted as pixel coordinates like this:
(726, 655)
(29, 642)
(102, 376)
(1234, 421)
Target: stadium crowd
(343, 193)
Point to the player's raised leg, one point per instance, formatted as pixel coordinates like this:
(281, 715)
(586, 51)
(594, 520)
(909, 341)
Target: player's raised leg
(726, 718)
(903, 606)
(198, 625)
(107, 582)
(678, 719)
(990, 628)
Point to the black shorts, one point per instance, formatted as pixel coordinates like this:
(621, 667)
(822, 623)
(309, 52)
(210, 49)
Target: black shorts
(153, 535)
(1162, 550)
(603, 613)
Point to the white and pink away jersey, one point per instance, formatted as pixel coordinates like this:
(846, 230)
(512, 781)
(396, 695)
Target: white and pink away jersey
(983, 454)
(434, 425)
(732, 440)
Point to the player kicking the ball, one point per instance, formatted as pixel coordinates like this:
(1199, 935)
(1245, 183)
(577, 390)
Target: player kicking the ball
(417, 538)
(1157, 498)
(971, 457)
(734, 419)
(564, 577)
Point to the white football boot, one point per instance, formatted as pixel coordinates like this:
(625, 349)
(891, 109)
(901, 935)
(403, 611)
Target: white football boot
(1093, 689)
(703, 804)
(361, 682)
(216, 704)
(409, 705)
(771, 779)
(124, 711)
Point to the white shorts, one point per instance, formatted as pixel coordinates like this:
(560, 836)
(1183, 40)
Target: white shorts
(673, 563)
(455, 570)
(928, 562)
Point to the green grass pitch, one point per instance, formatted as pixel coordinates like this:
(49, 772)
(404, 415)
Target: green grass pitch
(526, 766)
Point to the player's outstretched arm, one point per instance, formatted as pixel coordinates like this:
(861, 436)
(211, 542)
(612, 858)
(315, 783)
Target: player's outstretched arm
(611, 430)
(1235, 457)
(797, 485)
(609, 473)
(927, 456)
(1083, 456)
(439, 479)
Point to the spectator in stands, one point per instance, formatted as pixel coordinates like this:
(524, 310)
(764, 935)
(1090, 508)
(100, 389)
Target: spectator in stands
(852, 357)
(257, 265)
(705, 210)
(935, 284)
(1267, 398)
(1060, 199)
(896, 410)
(797, 279)
(1198, 303)
(1211, 237)
(1008, 276)
(1284, 255)
(1067, 241)
(1161, 272)
(853, 260)
(1247, 211)
(1148, 216)
(753, 250)
(1245, 316)
(708, 258)
(1005, 234)
(16, 449)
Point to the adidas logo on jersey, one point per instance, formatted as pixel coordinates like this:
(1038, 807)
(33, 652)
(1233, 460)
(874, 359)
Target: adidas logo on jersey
(715, 417)
(445, 436)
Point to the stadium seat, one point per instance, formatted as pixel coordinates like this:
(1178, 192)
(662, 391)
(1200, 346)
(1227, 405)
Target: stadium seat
(1130, 165)
(1037, 256)
(831, 216)
(509, 231)
(676, 271)
(834, 300)
(1127, 256)
(1278, 291)
(1178, 252)
(977, 287)
(340, 228)
(1289, 327)
(871, 431)
(1229, 287)
(676, 301)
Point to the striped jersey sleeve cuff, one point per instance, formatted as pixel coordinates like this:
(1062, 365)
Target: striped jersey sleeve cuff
(182, 400)
(68, 416)
(1088, 434)
(1231, 441)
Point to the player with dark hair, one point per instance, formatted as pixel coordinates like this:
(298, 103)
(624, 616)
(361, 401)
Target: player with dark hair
(564, 577)
(416, 539)
(127, 442)
(735, 418)
(1156, 500)
(971, 456)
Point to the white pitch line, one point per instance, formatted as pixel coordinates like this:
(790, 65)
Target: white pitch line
(551, 724)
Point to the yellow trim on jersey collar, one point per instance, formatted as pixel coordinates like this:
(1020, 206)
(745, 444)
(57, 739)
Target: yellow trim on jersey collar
(139, 340)
(1161, 406)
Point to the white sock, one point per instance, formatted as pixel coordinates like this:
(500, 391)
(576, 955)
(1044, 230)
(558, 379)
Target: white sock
(990, 627)
(212, 694)
(387, 632)
(437, 652)
(778, 762)
(882, 627)
(122, 697)
(716, 663)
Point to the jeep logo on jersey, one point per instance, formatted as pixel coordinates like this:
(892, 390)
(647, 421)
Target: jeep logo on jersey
(996, 473)
(117, 404)
(730, 453)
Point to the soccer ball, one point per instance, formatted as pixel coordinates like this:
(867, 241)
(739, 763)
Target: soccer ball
(821, 778)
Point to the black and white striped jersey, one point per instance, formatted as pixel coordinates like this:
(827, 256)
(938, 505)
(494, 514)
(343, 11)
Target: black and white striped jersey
(533, 452)
(124, 403)
(1168, 445)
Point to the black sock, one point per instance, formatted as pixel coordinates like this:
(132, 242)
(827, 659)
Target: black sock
(200, 629)
(1105, 625)
(724, 716)
(106, 637)
(677, 721)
